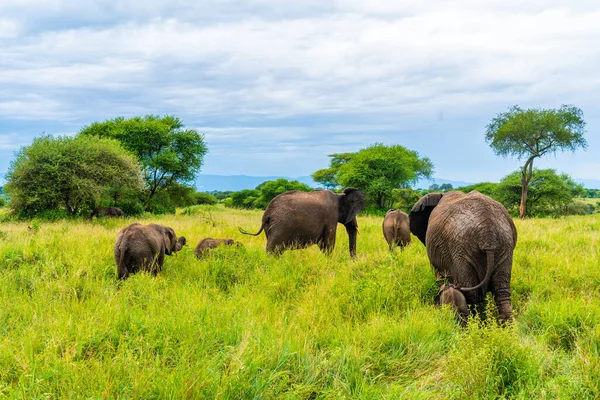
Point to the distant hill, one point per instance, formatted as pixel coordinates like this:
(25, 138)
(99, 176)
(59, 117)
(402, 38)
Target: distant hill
(589, 183)
(426, 183)
(208, 183)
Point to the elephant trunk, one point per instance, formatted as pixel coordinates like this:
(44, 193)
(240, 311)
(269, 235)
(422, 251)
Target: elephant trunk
(352, 229)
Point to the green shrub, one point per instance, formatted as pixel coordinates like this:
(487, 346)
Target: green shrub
(205, 198)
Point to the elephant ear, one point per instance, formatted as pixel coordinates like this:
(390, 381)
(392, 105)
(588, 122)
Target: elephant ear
(419, 214)
(352, 202)
(170, 240)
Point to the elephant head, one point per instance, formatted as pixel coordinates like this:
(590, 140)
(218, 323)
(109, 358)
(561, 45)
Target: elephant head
(419, 214)
(172, 243)
(352, 202)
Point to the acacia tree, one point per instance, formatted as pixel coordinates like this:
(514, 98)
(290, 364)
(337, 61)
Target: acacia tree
(376, 171)
(532, 133)
(167, 151)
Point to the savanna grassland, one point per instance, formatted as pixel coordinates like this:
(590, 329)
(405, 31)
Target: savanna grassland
(241, 324)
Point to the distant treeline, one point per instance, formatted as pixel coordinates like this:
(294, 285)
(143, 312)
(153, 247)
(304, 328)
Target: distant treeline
(550, 194)
(148, 164)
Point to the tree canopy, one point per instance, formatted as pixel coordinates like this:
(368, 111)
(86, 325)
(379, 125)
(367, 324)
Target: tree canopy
(168, 152)
(376, 171)
(68, 173)
(532, 133)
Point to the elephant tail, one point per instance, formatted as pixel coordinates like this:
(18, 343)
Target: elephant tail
(253, 234)
(488, 273)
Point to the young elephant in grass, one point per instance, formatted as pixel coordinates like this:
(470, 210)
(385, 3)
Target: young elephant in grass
(396, 229)
(449, 294)
(143, 247)
(205, 245)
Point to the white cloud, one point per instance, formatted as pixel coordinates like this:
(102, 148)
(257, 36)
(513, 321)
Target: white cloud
(246, 63)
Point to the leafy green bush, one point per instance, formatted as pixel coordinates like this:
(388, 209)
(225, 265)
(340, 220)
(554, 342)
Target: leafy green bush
(487, 188)
(579, 208)
(405, 198)
(2, 201)
(66, 173)
(247, 198)
(550, 194)
(205, 198)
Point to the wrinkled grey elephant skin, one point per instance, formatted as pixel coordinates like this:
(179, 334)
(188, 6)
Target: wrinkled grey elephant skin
(396, 229)
(143, 248)
(107, 212)
(205, 245)
(470, 239)
(295, 220)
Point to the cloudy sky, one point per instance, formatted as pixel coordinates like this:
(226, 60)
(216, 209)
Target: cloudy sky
(276, 85)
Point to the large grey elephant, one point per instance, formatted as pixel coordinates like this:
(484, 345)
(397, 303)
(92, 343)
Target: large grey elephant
(396, 228)
(143, 247)
(295, 220)
(470, 239)
(107, 212)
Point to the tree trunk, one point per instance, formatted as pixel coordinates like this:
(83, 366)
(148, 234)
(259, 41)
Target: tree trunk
(523, 206)
(526, 174)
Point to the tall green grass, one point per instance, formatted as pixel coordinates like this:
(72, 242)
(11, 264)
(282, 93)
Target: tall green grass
(240, 324)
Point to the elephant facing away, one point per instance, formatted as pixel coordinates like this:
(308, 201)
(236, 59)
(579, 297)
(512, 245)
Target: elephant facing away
(470, 239)
(107, 212)
(396, 229)
(295, 220)
(205, 245)
(143, 247)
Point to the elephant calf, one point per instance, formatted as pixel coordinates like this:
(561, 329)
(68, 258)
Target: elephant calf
(396, 229)
(143, 247)
(107, 212)
(209, 243)
(449, 294)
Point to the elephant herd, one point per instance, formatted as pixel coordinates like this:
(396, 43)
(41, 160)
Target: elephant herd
(470, 239)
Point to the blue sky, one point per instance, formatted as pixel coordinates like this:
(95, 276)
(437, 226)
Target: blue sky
(277, 85)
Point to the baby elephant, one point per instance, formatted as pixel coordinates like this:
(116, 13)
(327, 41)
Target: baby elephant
(396, 228)
(209, 243)
(143, 247)
(449, 294)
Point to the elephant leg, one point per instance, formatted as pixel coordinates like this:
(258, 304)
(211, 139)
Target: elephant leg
(500, 288)
(502, 299)
(275, 249)
(327, 241)
(123, 272)
(157, 267)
